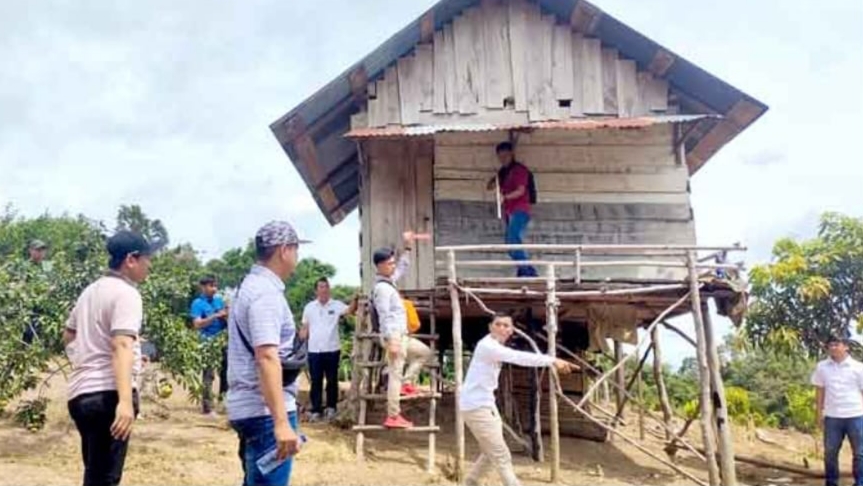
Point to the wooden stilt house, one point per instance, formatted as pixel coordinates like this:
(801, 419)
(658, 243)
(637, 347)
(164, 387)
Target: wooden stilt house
(613, 127)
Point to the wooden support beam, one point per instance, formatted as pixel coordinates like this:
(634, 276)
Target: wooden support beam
(619, 379)
(680, 333)
(457, 357)
(659, 379)
(430, 465)
(551, 306)
(618, 417)
(703, 374)
(720, 407)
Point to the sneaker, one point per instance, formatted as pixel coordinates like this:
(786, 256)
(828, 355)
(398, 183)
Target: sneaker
(398, 422)
(408, 390)
(211, 414)
(329, 414)
(315, 417)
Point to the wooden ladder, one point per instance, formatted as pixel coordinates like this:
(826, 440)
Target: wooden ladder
(369, 361)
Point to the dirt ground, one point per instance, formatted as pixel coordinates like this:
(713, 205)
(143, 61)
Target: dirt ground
(174, 444)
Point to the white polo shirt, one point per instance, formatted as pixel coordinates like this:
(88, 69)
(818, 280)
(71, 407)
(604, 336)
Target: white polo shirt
(843, 387)
(323, 322)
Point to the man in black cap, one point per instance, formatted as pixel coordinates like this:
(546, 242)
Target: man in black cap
(101, 338)
(262, 398)
(391, 317)
(838, 382)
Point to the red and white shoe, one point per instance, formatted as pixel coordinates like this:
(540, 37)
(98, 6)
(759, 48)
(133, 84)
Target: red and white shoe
(398, 422)
(408, 390)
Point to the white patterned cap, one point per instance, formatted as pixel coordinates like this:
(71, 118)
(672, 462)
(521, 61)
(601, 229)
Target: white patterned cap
(276, 233)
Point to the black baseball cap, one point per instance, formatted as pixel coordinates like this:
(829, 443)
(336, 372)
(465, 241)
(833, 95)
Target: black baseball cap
(382, 254)
(125, 243)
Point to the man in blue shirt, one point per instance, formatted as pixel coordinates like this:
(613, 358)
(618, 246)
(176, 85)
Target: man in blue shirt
(209, 317)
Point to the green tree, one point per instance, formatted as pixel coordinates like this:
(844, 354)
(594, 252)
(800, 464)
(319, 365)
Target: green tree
(811, 288)
(133, 218)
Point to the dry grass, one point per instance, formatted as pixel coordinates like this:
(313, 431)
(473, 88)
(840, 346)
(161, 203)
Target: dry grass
(182, 447)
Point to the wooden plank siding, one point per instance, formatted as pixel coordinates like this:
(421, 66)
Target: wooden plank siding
(599, 187)
(397, 194)
(506, 62)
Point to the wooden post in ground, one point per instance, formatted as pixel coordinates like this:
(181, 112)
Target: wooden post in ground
(457, 358)
(620, 379)
(551, 330)
(359, 379)
(703, 372)
(640, 409)
(434, 388)
(720, 407)
(659, 379)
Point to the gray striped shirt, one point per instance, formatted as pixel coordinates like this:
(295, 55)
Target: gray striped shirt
(261, 312)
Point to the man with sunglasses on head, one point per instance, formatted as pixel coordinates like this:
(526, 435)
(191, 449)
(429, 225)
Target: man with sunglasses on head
(101, 338)
(262, 404)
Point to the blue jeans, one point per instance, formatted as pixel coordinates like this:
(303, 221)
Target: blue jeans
(835, 430)
(256, 439)
(516, 223)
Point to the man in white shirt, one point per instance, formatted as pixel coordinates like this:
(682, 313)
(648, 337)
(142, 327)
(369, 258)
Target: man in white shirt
(321, 327)
(839, 405)
(477, 401)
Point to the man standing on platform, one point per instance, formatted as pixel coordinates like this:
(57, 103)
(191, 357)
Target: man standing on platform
(517, 191)
(838, 384)
(389, 311)
(321, 327)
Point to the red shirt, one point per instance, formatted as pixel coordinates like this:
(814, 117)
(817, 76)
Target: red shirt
(517, 176)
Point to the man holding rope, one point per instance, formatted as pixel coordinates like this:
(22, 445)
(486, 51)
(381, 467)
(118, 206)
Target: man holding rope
(477, 401)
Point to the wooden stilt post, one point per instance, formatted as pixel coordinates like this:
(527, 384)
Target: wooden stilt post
(551, 330)
(665, 404)
(359, 379)
(457, 358)
(640, 409)
(703, 373)
(620, 379)
(434, 389)
(723, 426)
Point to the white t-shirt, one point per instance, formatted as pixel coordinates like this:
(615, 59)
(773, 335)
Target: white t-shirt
(323, 322)
(843, 387)
(108, 307)
(484, 371)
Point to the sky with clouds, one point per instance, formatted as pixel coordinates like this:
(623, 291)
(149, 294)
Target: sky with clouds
(167, 105)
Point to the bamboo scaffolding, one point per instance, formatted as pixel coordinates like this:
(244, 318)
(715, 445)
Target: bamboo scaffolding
(551, 330)
(586, 365)
(564, 263)
(608, 249)
(637, 346)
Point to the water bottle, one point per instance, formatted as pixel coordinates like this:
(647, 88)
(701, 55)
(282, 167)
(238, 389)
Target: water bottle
(269, 462)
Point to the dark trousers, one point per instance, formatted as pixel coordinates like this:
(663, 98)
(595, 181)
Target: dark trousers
(324, 365)
(835, 431)
(104, 456)
(209, 376)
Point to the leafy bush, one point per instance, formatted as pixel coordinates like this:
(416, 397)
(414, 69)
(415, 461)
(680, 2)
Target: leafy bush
(801, 408)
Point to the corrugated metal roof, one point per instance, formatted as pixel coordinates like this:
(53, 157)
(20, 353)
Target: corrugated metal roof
(581, 124)
(312, 134)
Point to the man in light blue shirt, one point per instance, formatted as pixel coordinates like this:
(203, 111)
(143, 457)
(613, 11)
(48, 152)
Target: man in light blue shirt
(209, 315)
(262, 408)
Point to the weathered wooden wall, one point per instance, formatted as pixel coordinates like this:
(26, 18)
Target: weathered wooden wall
(594, 187)
(396, 195)
(506, 62)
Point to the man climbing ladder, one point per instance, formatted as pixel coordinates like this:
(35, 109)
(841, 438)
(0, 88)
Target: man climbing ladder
(392, 320)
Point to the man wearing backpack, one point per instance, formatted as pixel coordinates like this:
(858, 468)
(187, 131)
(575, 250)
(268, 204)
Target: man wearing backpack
(517, 190)
(391, 318)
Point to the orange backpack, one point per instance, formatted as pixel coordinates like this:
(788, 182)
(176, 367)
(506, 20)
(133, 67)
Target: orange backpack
(413, 316)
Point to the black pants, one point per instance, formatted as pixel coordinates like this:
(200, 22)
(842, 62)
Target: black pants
(209, 376)
(103, 455)
(324, 365)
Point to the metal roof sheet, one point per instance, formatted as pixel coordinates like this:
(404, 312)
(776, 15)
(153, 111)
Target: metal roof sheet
(580, 124)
